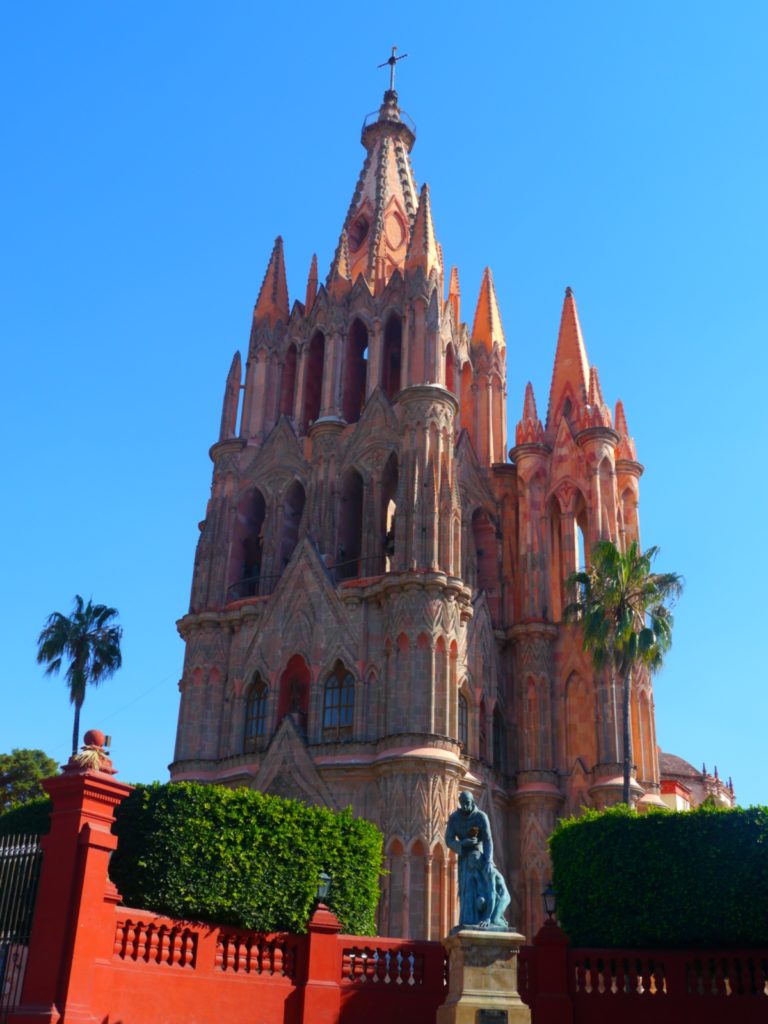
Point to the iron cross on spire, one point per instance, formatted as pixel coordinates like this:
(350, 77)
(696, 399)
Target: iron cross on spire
(392, 62)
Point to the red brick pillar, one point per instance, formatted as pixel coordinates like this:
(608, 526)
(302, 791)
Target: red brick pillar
(322, 990)
(74, 921)
(551, 1000)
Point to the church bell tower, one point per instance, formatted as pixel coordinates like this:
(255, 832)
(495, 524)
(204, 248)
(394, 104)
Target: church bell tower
(376, 608)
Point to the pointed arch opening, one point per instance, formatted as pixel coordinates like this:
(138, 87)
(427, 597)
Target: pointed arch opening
(293, 510)
(582, 547)
(355, 372)
(450, 369)
(417, 905)
(294, 692)
(389, 480)
(350, 526)
(338, 704)
(255, 725)
(313, 380)
(391, 366)
(288, 383)
(247, 546)
(556, 574)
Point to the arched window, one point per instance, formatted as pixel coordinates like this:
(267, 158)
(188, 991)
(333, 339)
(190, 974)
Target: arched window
(450, 369)
(247, 545)
(355, 372)
(313, 380)
(388, 509)
(338, 704)
(255, 714)
(463, 722)
(294, 691)
(393, 352)
(350, 526)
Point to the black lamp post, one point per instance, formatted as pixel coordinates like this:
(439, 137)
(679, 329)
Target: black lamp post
(323, 886)
(550, 897)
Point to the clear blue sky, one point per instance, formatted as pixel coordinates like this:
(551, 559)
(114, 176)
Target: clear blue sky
(151, 153)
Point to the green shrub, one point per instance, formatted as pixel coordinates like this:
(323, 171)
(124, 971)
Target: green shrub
(240, 857)
(30, 819)
(695, 878)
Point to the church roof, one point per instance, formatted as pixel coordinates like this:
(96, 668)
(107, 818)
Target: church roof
(671, 764)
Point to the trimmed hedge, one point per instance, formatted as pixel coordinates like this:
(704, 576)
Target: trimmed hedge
(234, 856)
(239, 857)
(689, 879)
(32, 818)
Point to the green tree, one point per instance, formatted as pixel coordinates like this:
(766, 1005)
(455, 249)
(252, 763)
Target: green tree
(21, 772)
(624, 611)
(90, 641)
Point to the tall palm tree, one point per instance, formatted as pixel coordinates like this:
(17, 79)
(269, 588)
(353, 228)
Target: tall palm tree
(624, 610)
(90, 641)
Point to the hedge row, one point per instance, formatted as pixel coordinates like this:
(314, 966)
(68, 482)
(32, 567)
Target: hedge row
(240, 857)
(235, 856)
(698, 878)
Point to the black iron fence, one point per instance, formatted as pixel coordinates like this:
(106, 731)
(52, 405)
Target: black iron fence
(20, 858)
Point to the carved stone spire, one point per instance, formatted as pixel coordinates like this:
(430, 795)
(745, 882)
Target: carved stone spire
(529, 428)
(384, 204)
(454, 295)
(599, 413)
(311, 285)
(339, 278)
(272, 303)
(626, 447)
(487, 329)
(570, 375)
(231, 400)
(423, 251)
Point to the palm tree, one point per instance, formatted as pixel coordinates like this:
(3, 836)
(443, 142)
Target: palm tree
(89, 641)
(624, 610)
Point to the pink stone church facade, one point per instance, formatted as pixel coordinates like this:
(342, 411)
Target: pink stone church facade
(376, 611)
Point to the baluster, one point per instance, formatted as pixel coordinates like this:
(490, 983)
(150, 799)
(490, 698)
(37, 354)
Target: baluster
(119, 945)
(277, 958)
(221, 956)
(417, 969)
(141, 941)
(388, 963)
(150, 951)
(411, 961)
(378, 968)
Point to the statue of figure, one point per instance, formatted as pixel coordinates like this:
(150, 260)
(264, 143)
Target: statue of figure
(483, 894)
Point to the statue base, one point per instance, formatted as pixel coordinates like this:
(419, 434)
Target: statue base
(482, 979)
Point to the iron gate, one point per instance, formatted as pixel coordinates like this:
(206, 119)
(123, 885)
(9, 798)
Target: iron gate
(20, 858)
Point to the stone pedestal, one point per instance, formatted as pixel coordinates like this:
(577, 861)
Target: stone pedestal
(482, 979)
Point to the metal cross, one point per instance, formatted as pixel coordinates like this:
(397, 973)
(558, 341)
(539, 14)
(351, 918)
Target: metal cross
(391, 62)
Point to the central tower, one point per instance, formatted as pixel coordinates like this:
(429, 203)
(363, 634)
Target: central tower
(378, 589)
